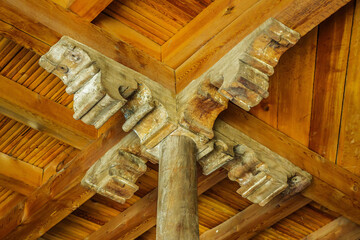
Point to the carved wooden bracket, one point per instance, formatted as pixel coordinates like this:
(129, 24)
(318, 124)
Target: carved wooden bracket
(102, 86)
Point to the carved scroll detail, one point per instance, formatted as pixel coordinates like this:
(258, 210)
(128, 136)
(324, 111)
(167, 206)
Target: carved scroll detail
(115, 174)
(242, 75)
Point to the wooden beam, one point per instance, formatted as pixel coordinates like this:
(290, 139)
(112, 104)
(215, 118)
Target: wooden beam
(19, 176)
(89, 10)
(51, 21)
(255, 219)
(59, 196)
(340, 228)
(336, 179)
(141, 216)
(300, 16)
(40, 113)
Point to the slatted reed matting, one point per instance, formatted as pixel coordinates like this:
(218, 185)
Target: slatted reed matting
(157, 20)
(21, 65)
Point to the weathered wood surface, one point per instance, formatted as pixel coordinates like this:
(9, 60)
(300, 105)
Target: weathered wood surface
(141, 216)
(52, 21)
(349, 143)
(59, 196)
(336, 178)
(301, 17)
(114, 175)
(42, 114)
(19, 176)
(341, 229)
(177, 214)
(329, 84)
(255, 219)
(89, 10)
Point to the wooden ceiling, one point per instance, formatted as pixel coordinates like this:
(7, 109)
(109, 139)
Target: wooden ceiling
(311, 116)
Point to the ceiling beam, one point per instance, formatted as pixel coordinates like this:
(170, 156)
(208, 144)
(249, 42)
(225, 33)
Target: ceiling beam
(19, 176)
(340, 228)
(89, 10)
(47, 22)
(327, 177)
(199, 45)
(59, 196)
(141, 216)
(255, 219)
(25, 106)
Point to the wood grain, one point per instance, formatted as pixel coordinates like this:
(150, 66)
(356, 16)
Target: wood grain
(340, 228)
(42, 114)
(89, 10)
(52, 21)
(331, 67)
(349, 143)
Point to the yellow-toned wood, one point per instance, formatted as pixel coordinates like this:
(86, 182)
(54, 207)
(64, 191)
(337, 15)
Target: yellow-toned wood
(40, 113)
(220, 44)
(331, 64)
(295, 85)
(52, 21)
(62, 194)
(349, 144)
(19, 176)
(127, 34)
(89, 10)
(340, 228)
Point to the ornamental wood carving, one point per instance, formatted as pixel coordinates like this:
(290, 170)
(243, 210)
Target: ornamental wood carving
(102, 87)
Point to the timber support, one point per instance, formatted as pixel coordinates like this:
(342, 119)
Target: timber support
(178, 131)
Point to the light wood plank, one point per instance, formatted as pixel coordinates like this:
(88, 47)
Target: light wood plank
(301, 16)
(141, 216)
(59, 196)
(255, 219)
(341, 229)
(42, 114)
(349, 144)
(19, 176)
(338, 178)
(52, 21)
(331, 64)
(89, 10)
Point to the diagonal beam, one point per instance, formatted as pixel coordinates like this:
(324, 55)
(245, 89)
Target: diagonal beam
(141, 216)
(40, 113)
(59, 196)
(327, 177)
(51, 21)
(340, 228)
(89, 10)
(19, 176)
(255, 219)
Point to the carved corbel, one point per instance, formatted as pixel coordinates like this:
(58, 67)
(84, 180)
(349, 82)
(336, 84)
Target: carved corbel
(242, 75)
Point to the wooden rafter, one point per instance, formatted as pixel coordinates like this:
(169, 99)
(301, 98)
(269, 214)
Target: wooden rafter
(52, 21)
(28, 107)
(340, 228)
(19, 176)
(89, 10)
(141, 216)
(59, 196)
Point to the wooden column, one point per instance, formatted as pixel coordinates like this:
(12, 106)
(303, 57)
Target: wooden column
(177, 215)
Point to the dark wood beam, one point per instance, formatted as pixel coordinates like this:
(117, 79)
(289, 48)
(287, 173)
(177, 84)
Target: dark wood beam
(47, 22)
(141, 216)
(255, 219)
(328, 178)
(40, 113)
(19, 176)
(60, 195)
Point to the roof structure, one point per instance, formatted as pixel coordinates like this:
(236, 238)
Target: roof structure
(310, 116)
